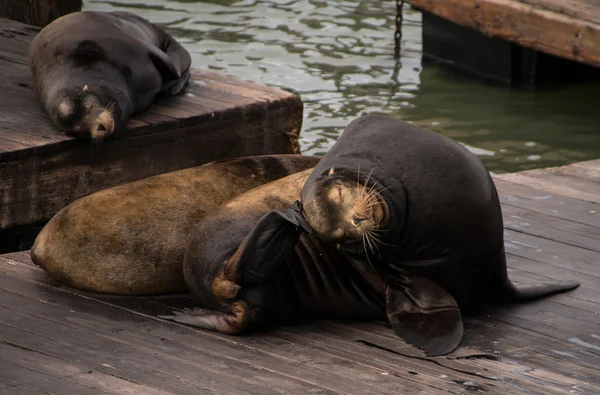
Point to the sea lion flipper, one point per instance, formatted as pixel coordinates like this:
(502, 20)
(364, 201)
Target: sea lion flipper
(267, 245)
(423, 313)
(211, 320)
(165, 66)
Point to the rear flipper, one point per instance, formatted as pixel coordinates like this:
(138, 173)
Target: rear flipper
(241, 287)
(422, 313)
(213, 320)
(502, 290)
(514, 293)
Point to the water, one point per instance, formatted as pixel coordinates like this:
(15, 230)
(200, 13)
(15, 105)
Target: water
(339, 57)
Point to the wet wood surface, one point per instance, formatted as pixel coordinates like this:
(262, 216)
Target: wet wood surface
(43, 170)
(38, 12)
(56, 339)
(566, 28)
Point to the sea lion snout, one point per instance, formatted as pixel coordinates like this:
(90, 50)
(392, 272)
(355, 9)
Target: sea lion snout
(104, 124)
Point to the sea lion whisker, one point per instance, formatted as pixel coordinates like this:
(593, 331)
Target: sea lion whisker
(365, 237)
(370, 204)
(378, 239)
(377, 188)
(366, 182)
(367, 253)
(375, 241)
(96, 142)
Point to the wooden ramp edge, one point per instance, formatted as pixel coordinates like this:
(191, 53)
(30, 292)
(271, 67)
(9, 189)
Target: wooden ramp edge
(566, 28)
(54, 338)
(43, 170)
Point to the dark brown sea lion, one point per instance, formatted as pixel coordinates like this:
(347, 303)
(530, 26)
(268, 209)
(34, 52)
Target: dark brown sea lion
(92, 70)
(131, 239)
(425, 212)
(240, 289)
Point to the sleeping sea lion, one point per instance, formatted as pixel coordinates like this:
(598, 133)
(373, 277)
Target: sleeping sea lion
(240, 289)
(92, 70)
(425, 212)
(131, 239)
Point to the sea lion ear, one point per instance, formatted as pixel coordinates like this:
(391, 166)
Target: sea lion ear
(422, 313)
(331, 172)
(165, 65)
(267, 246)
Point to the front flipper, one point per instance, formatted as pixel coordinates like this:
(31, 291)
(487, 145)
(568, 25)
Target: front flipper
(242, 288)
(423, 313)
(267, 246)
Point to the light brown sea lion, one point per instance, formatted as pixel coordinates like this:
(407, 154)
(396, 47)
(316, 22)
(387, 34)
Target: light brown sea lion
(131, 239)
(240, 289)
(92, 70)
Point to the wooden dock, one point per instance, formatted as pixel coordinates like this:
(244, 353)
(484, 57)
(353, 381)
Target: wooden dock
(55, 339)
(43, 170)
(567, 29)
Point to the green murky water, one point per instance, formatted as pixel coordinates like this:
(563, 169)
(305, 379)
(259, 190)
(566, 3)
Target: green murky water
(338, 55)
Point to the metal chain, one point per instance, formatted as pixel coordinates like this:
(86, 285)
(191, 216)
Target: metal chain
(398, 34)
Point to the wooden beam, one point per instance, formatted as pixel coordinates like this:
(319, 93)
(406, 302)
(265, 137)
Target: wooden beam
(37, 12)
(530, 25)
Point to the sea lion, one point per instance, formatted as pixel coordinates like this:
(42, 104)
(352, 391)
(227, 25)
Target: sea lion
(240, 289)
(92, 70)
(131, 239)
(425, 212)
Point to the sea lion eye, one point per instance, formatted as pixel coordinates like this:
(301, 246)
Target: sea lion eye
(357, 220)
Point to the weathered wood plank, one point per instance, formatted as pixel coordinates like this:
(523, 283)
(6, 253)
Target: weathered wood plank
(528, 25)
(536, 224)
(114, 349)
(37, 12)
(588, 10)
(559, 206)
(407, 366)
(309, 351)
(48, 373)
(199, 346)
(560, 184)
(491, 342)
(575, 181)
(588, 164)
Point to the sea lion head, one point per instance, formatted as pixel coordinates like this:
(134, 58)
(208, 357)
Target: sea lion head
(87, 112)
(345, 210)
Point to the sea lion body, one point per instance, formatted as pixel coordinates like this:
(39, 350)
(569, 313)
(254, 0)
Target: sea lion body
(444, 218)
(239, 293)
(131, 239)
(92, 70)
(430, 220)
